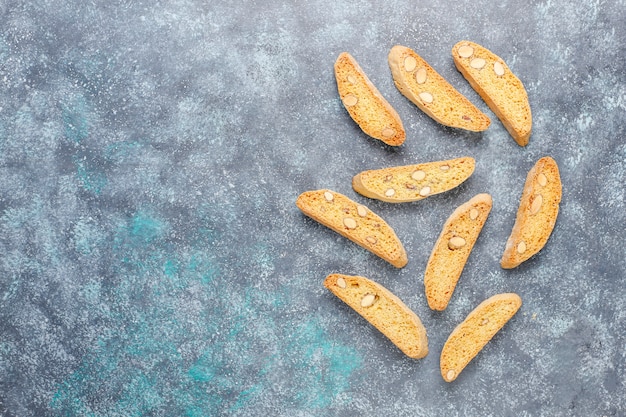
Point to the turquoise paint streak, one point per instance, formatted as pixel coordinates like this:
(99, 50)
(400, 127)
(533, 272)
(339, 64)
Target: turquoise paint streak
(326, 366)
(90, 179)
(134, 239)
(170, 268)
(145, 228)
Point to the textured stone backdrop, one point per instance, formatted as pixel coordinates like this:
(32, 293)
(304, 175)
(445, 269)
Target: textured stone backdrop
(152, 259)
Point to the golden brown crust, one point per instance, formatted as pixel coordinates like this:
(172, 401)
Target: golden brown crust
(536, 215)
(453, 247)
(469, 337)
(431, 93)
(503, 92)
(383, 310)
(413, 182)
(355, 222)
(367, 107)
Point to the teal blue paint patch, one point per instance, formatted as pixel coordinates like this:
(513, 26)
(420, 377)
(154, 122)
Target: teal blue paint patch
(215, 377)
(133, 237)
(145, 229)
(72, 395)
(139, 397)
(68, 406)
(215, 387)
(202, 267)
(246, 396)
(90, 179)
(343, 361)
(205, 369)
(195, 411)
(325, 367)
(170, 268)
(82, 238)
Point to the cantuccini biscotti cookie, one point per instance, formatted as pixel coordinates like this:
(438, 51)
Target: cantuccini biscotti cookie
(354, 221)
(503, 92)
(431, 93)
(367, 107)
(413, 182)
(452, 249)
(469, 337)
(383, 310)
(536, 215)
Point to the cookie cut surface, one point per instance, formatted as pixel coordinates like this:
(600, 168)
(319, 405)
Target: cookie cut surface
(365, 104)
(536, 215)
(431, 93)
(413, 182)
(494, 81)
(478, 328)
(452, 249)
(384, 310)
(354, 221)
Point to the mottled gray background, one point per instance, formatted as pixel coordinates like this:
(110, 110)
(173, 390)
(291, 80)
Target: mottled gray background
(152, 259)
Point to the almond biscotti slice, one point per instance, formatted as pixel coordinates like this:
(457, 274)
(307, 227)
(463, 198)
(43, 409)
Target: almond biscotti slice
(452, 249)
(354, 221)
(536, 215)
(367, 107)
(383, 310)
(413, 182)
(431, 93)
(469, 337)
(503, 92)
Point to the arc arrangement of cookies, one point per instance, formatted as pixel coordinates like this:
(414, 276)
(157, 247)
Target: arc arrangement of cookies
(505, 95)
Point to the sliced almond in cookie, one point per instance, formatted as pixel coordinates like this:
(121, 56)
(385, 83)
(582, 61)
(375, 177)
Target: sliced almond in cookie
(478, 63)
(465, 51)
(426, 97)
(425, 191)
(421, 75)
(409, 63)
(498, 68)
(350, 100)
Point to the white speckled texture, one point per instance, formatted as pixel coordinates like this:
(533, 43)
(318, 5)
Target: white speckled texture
(152, 258)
